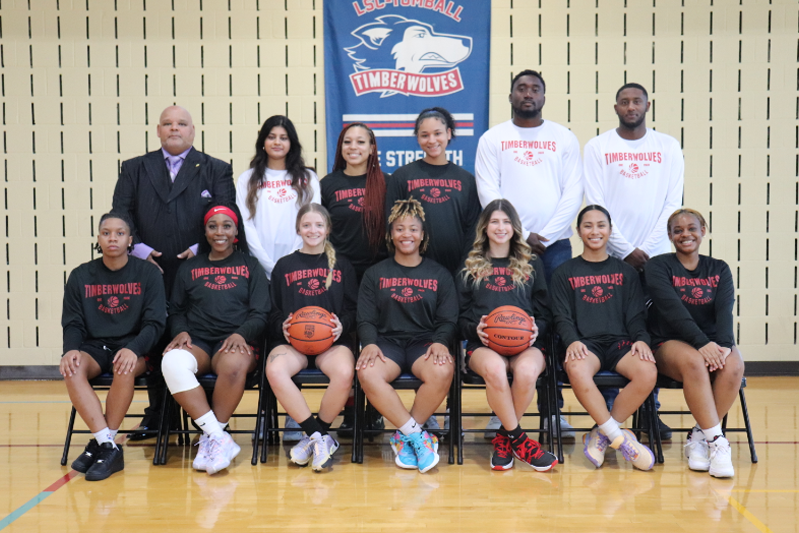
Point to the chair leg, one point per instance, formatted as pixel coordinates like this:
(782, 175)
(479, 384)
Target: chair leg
(161, 437)
(749, 436)
(452, 401)
(68, 440)
(457, 420)
(269, 424)
(360, 412)
(257, 432)
(654, 430)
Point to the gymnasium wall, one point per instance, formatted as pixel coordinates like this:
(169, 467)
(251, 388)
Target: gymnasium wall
(84, 81)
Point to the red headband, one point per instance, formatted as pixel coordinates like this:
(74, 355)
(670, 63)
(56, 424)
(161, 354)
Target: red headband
(223, 210)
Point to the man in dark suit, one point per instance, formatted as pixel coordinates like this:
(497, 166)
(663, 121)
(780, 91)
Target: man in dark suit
(165, 193)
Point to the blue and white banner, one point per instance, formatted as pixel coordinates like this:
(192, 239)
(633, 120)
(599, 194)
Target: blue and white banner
(387, 60)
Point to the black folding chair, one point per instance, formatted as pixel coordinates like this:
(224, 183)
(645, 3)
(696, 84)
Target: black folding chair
(103, 383)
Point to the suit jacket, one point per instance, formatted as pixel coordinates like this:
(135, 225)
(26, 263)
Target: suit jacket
(169, 216)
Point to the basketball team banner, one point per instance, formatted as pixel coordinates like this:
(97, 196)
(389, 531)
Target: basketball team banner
(387, 60)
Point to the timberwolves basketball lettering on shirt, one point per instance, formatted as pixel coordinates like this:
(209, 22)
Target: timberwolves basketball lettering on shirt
(310, 282)
(220, 278)
(433, 191)
(352, 197)
(501, 280)
(280, 191)
(108, 296)
(408, 290)
(696, 291)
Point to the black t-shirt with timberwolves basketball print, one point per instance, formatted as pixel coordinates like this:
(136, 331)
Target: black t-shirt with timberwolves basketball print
(298, 280)
(601, 301)
(342, 195)
(403, 303)
(124, 307)
(449, 196)
(497, 290)
(694, 306)
(215, 299)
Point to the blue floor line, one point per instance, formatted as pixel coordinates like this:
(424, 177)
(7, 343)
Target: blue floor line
(30, 504)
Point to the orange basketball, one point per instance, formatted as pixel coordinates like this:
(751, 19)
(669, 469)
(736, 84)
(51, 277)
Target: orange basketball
(310, 330)
(509, 330)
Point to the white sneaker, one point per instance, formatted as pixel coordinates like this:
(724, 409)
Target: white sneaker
(302, 452)
(201, 460)
(323, 449)
(566, 429)
(221, 451)
(721, 457)
(491, 428)
(697, 452)
(292, 436)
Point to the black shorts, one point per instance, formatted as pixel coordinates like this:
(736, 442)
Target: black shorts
(344, 340)
(609, 353)
(103, 352)
(404, 352)
(212, 348)
(471, 346)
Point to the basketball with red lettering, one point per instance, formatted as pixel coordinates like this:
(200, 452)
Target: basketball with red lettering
(509, 330)
(310, 330)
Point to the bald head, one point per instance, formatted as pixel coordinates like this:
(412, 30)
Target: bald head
(176, 130)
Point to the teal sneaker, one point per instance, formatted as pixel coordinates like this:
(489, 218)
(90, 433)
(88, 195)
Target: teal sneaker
(405, 456)
(426, 448)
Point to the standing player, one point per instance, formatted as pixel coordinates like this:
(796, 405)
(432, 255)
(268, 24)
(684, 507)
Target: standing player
(536, 164)
(165, 194)
(691, 314)
(637, 174)
(114, 313)
(313, 275)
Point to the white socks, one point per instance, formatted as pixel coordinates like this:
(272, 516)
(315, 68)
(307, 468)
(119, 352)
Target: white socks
(611, 429)
(411, 426)
(209, 424)
(711, 433)
(113, 433)
(104, 435)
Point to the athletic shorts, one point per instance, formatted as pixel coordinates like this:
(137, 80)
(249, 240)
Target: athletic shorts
(471, 346)
(212, 348)
(404, 352)
(609, 353)
(344, 340)
(103, 352)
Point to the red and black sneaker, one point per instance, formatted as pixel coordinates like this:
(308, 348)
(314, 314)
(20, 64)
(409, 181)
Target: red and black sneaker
(502, 458)
(528, 450)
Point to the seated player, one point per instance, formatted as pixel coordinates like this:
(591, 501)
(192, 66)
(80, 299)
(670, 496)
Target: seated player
(691, 320)
(407, 314)
(114, 313)
(599, 314)
(217, 312)
(502, 270)
(313, 275)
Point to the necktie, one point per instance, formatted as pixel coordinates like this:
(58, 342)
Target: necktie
(173, 164)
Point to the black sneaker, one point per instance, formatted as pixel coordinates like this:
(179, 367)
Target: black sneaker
(374, 420)
(87, 458)
(502, 458)
(110, 459)
(665, 431)
(530, 451)
(344, 431)
(142, 433)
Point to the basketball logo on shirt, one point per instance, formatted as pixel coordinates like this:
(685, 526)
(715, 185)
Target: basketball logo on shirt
(109, 297)
(434, 191)
(313, 284)
(408, 290)
(113, 301)
(696, 291)
(110, 305)
(280, 191)
(220, 280)
(633, 171)
(597, 291)
(353, 198)
(220, 283)
(599, 295)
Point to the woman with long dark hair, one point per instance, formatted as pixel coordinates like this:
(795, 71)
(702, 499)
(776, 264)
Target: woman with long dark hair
(355, 193)
(271, 192)
(218, 312)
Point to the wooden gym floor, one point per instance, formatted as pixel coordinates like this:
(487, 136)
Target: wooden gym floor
(37, 494)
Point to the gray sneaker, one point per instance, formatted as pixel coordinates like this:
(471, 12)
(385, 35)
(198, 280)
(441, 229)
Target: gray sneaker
(491, 428)
(292, 436)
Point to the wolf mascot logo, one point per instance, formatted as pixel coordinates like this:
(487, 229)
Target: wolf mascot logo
(395, 54)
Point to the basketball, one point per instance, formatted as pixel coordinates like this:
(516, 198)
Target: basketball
(509, 330)
(310, 330)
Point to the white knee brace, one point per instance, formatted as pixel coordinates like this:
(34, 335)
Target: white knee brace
(179, 368)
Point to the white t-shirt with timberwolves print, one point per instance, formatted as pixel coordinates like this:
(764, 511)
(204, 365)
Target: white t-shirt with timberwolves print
(271, 233)
(538, 170)
(640, 183)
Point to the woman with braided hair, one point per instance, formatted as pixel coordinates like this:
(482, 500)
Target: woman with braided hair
(407, 314)
(355, 193)
(313, 275)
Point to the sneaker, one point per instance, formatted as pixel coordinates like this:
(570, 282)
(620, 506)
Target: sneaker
(302, 452)
(344, 431)
(221, 451)
(374, 420)
(720, 457)
(432, 424)
(595, 444)
(324, 446)
(697, 452)
(292, 436)
(529, 450)
(491, 428)
(110, 459)
(201, 459)
(502, 458)
(87, 458)
(405, 456)
(665, 431)
(566, 429)
(426, 448)
(639, 455)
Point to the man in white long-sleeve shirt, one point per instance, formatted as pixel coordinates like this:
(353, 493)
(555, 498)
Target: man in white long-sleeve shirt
(637, 174)
(536, 165)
